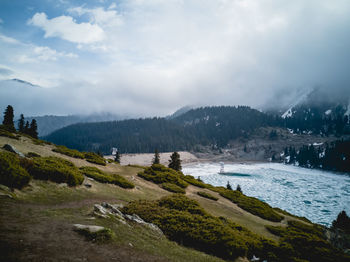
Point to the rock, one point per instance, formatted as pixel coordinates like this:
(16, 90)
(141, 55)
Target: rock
(137, 219)
(87, 185)
(92, 229)
(12, 149)
(91, 179)
(101, 211)
(114, 209)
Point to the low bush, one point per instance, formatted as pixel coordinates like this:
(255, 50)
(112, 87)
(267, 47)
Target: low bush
(11, 172)
(306, 242)
(250, 204)
(68, 152)
(57, 170)
(103, 177)
(207, 195)
(100, 236)
(32, 154)
(94, 158)
(160, 174)
(6, 133)
(173, 188)
(184, 221)
(279, 210)
(195, 182)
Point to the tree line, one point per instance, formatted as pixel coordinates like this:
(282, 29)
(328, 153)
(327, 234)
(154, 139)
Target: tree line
(334, 156)
(24, 127)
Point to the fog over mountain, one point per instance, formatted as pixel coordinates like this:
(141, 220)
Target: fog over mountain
(147, 58)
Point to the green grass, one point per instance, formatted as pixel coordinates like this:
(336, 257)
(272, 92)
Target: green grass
(32, 154)
(160, 174)
(279, 210)
(68, 152)
(5, 133)
(306, 242)
(185, 222)
(207, 195)
(12, 174)
(101, 236)
(94, 158)
(173, 188)
(55, 169)
(250, 204)
(195, 182)
(103, 177)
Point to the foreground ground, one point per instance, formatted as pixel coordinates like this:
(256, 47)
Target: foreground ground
(36, 222)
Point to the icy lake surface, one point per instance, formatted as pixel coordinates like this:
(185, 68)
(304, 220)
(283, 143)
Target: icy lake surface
(314, 194)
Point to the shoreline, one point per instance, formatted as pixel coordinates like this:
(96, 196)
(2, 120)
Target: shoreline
(187, 158)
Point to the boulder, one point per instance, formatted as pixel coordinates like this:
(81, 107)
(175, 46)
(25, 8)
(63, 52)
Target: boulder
(12, 149)
(92, 229)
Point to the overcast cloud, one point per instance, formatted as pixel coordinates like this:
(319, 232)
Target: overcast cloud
(150, 57)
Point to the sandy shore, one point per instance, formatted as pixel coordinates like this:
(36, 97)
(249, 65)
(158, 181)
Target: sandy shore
(146, 159)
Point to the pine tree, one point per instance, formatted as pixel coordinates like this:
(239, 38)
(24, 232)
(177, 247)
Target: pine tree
(26, 128)
(239, 189)
(8, 119)
(21, 124)
(175, 162)
(156, 159)
(117, 157)
(228, 186)
(33, 129)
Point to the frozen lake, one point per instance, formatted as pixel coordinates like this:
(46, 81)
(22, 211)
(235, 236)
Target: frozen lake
(317, 195)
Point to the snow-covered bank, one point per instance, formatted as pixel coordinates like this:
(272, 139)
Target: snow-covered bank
(315, 194)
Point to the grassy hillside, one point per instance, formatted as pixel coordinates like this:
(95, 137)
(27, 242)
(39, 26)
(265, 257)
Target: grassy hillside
(37, 219)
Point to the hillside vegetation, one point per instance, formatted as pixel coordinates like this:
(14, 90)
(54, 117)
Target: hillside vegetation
(56, 190)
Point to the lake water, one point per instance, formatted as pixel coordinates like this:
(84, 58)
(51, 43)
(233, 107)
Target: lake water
(314, 194)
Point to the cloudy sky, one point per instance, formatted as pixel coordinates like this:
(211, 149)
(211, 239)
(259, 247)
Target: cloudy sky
(151, 57)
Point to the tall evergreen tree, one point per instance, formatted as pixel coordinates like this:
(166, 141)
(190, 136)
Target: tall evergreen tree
(8, 119)
(21, 124)
(156, 159)
(33, 129)
(175, 162)
(26, 128)
(117, 157)
(228, 186)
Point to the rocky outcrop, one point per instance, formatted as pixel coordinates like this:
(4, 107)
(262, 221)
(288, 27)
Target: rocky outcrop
(12, 149)
(105, 209)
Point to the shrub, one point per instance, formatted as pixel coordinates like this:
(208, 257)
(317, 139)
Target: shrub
(6, 133)
(250, 204)
(32, 154)
(305, 242)
(57, 170)
(68, 152)
(103, 235)
(94, 158)
(191, 180)
(160, 174)
(173, 188)
(103, 177)
(184, 221)
(11, 173)
(279, 210)
(207, 195)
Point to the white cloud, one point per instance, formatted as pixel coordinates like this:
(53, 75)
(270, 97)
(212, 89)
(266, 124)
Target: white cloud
(66, 28)
(99, 16)
(112, 6)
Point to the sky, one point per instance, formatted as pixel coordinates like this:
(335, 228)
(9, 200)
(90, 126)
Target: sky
(151, 57)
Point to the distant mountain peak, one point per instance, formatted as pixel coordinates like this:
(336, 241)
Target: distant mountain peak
(22, 81)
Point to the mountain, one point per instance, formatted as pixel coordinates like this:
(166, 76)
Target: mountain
(50, 123)
(179, 112)
(214, 126)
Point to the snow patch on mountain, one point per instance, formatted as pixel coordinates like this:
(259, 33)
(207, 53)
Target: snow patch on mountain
(299, 100)
(328, 112)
